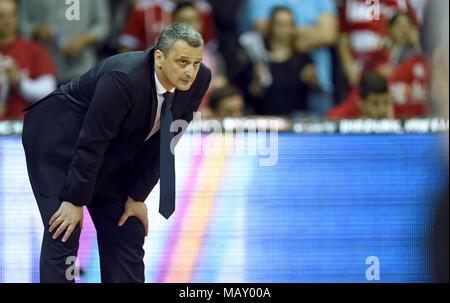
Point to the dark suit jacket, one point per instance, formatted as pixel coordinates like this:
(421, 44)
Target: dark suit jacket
(116, 108)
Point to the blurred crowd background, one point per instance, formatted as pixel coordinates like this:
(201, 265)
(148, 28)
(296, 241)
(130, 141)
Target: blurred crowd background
(324, 59)
(330, 59)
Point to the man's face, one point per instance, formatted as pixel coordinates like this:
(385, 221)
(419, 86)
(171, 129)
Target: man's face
(180, 67)
(8, 18)
(376, 106)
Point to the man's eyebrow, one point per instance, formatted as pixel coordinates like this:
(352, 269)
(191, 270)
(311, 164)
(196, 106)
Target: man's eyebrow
(190, 58)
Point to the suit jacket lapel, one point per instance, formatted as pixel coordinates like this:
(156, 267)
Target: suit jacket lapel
(150, 95)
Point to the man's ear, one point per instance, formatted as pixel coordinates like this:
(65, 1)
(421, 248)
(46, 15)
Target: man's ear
(159, 57)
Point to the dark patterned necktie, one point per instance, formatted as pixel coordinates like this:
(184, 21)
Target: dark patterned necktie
(167, 161)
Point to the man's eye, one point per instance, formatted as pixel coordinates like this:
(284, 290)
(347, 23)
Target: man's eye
(182, 61)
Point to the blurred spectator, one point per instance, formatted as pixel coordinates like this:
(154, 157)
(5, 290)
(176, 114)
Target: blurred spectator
(282, 76)
(440, 79)
(208, 29)
(187, 12)
(227, 102)
(362, 38)
(71, 42)
(119, 10)
(144, 23)
(317, 29)
(148, 17)
(27, 72)
(405, 67)
(225, 16)
(372, 101)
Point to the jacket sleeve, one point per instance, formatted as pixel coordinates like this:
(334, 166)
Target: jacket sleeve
(145, 173)
(112, 100)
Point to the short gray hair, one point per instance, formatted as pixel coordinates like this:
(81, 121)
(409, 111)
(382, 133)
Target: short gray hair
(178, 31)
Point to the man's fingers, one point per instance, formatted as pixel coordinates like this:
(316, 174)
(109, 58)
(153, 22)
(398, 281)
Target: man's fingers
(144, 221)
(53, 218)
(68, 232)
(60, 229)
(123, 219)
(56, 223)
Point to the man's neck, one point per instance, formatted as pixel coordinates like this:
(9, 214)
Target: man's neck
(166, 84)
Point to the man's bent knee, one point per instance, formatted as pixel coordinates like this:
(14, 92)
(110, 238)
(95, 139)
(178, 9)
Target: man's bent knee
(58, 259)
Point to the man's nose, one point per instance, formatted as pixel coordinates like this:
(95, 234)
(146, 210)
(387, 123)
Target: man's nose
(190, 70)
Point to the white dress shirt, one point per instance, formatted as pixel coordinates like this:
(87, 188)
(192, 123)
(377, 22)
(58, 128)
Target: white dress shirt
(160, 90)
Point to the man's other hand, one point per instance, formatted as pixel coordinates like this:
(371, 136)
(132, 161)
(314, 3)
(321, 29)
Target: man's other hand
(136, 209)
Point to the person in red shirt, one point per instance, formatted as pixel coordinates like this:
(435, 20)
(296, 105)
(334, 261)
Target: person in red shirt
(371, 100)
(406, 69)
(27, 72)
(362, 38)
(148, 17)
(408, 100)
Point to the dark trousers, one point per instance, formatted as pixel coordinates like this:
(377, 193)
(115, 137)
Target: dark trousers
(120, 248)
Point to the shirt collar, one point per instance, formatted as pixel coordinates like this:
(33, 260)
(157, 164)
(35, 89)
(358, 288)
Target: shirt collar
(159, 88)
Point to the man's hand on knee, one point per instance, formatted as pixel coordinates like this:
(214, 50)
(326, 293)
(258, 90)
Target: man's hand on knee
(136, 209)
(66, 217)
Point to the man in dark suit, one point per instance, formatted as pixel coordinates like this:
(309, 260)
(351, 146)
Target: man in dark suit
(100, 141)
